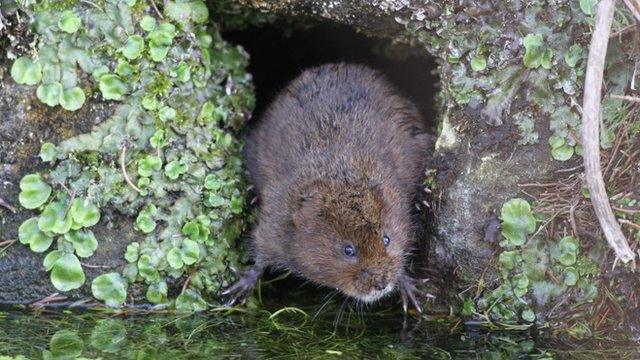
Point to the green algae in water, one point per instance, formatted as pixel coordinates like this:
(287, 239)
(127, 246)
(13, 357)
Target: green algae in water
(275, 333)
(252, 335)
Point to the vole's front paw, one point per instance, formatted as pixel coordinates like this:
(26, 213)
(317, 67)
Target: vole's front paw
(240, 290)
(409, 291)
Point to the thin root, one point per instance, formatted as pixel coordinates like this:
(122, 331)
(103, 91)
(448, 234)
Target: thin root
(123, 154)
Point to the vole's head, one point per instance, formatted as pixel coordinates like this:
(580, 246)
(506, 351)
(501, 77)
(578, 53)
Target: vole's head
(350, 239)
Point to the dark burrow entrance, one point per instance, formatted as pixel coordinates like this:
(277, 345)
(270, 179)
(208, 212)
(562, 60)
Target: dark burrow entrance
(279, 52)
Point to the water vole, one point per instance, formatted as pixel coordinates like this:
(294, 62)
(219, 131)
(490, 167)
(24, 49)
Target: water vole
(337, 160)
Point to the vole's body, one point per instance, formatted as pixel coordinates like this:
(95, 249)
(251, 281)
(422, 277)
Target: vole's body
(337, 160)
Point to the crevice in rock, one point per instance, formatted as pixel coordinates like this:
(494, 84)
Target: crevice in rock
(279, 53)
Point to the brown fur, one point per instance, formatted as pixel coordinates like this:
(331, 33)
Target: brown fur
(336, 159)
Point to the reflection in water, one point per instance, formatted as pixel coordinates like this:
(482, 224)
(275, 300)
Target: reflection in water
(284, 333)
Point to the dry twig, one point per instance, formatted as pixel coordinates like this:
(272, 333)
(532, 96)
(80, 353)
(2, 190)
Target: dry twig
(591, 132)
(155, 8)
(8, 206)
(626, 97)
(634, 7)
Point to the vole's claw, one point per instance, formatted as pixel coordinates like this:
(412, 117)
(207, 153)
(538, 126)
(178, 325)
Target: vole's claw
(408, 291)
(240, 290)
(405, 301)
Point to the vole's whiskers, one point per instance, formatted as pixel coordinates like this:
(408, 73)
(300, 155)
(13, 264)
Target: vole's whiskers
(338, 317)
(327, 298)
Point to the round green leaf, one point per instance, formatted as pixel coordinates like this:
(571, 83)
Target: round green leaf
(125, 70)
(547, 58)
(179, 12)
(534, 50)
(25, 71)
(99, 72)
(158, 53)
(191, 229)
(30, 234)
(133, 47)
(66, 344)
(67, 273)
(567, 259)
(54, 218)
(148, 164)
(51, 259)
(147, 269)
(130, 272)
(157, 293)
(517, 221)
(48, 152)
(84, 213)
(50, 93)
(528, 315)
(562, 153)
(166, 113)
(110, 288)
(148, 23)
(174, 258)
(569, 244)
(183, 73)
(478, 63)
(213, 182)
(174, 169)
(112, 87)
(588, 6)
(508, 259)
(131, 255)
(69, 22)
(520, 281)
(237, 204)
(149, 102)
(190, 251)
(145, 224)
(72, 99)
(34, 191)
(571, 276)
(109, 335)
(84, 242)
(157, 140)
(199, 12)
(574, 55)
(190, 301)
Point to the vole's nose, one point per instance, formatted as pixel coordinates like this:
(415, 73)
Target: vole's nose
(379, 285)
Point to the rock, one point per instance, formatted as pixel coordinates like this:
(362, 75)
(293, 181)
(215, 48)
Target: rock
(26, 124)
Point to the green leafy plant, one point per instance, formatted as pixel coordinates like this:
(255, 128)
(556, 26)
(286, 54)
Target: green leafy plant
(33, 191)
(536, 53)
(66, 270)
(110, 288)
(30, 234)
(69, 22)
(563, 124)
(525, 266)
(112, 87)
(26, 71)
(173, 135)
(517, 222)
(478, 63)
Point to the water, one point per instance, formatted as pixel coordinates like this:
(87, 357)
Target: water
(277, 331)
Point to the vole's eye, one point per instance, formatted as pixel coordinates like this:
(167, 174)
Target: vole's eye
(386, 240)
(349, 251)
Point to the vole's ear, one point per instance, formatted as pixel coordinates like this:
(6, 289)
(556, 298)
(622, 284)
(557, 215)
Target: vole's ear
(308, 202)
